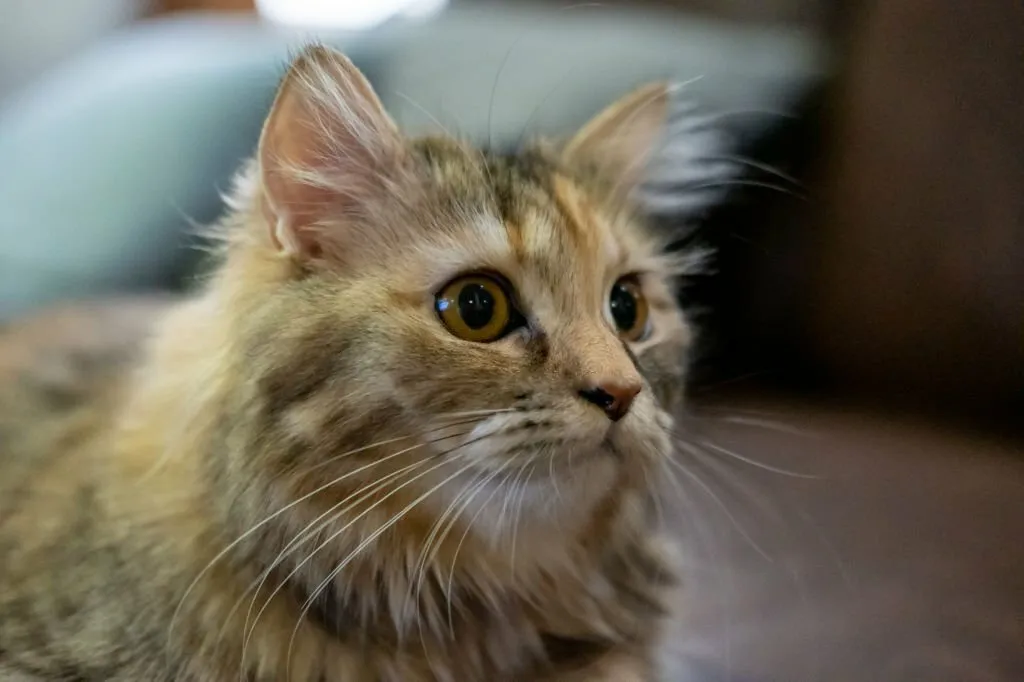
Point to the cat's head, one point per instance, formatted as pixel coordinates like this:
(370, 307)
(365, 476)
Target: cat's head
(422, 307)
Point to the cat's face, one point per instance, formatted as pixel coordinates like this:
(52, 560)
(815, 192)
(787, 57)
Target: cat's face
(539, 325)
(481, 318)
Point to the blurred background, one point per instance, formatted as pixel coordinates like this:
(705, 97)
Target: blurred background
(864, 321)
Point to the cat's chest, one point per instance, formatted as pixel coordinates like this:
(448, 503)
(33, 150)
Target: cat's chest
(474, 641)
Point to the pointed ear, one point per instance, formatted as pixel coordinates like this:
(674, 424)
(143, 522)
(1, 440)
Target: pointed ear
(326, 148)
(622, 138)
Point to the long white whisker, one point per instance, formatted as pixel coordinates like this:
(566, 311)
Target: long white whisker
(423, 110)
(754, 463)
(765, 510)
(364, 448)
(307, 534)
(442, 456)
(518, 510)
(718, 502)
(321, 546)
(365, 543)
(766, 424)
(507, 466)
(703, 534)
(477, 413)
(757, 165)
(472, 489)
(432, 544)
(344, 528)
(551, 474)
(322, 521)
(745, 183)
(291, 505)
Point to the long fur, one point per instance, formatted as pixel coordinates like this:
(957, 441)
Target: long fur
(301, 474)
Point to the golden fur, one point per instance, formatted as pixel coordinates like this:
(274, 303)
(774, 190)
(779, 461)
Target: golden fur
(305, 476)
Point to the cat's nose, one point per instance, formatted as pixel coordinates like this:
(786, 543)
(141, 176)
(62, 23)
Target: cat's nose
(612, 397)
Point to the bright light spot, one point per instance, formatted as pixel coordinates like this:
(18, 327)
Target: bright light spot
(344, 14)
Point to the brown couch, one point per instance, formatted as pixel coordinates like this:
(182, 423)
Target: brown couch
(890, 309)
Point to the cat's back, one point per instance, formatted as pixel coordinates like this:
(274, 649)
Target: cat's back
(61, 372)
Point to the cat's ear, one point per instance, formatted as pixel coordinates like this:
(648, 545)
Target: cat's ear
(326, 148)
(658, 147)
(623, 138)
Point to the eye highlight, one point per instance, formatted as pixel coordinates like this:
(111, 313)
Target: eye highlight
(476, 308)
(628, 308)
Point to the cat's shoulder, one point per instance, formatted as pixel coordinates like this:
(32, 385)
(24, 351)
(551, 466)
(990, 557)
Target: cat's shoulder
(65, 345)
(61, 365)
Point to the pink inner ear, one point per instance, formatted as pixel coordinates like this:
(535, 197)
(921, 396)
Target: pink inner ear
(328, 146)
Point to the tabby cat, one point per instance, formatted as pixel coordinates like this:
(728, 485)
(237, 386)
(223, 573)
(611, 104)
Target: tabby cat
(408, 430)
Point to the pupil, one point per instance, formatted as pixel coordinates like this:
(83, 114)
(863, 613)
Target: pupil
(476, 305)
(623, 307)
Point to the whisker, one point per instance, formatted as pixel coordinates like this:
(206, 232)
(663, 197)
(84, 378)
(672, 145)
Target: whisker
(721, 505)
(518, 511)
(478, 413)
(718, 117)
(742, 488)
(551, 474)
(744, 183)
(423, 110)
(654, 493)
(224, 552)
(434, 540)
(387, 441)
(473, 492)
(559, 84)
(504, 63)
(307, 534)
(345, 527)
(333, 536)
(508, 498)
(754, 463)
(764, 510)
(756, 165)
(723, 569)
(766, 424)
(325, 519)
(429, 551)
(365, 543)
(507, 466)
(768, 510)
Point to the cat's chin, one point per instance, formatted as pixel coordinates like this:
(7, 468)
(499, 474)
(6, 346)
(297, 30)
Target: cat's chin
(549, 491)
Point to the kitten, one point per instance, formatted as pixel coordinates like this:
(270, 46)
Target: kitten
(407, 431)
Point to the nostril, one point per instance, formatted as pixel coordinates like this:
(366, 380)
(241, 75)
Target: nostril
(614, 399)
(598, 396)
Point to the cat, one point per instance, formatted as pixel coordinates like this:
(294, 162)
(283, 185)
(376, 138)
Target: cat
(410, 428)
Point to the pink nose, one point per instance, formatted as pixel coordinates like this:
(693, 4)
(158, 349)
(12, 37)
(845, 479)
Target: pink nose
(614, 398)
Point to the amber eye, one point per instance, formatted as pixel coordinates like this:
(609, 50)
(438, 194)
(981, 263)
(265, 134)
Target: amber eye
(476, 308)
(628, 308)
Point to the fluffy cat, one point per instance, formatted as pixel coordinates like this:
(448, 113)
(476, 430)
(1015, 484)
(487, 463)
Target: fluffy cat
(408, 430)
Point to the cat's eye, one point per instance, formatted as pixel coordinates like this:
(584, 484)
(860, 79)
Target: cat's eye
(477, 308)
(628, 309)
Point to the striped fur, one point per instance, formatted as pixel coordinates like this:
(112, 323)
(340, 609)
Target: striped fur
(301, 475)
